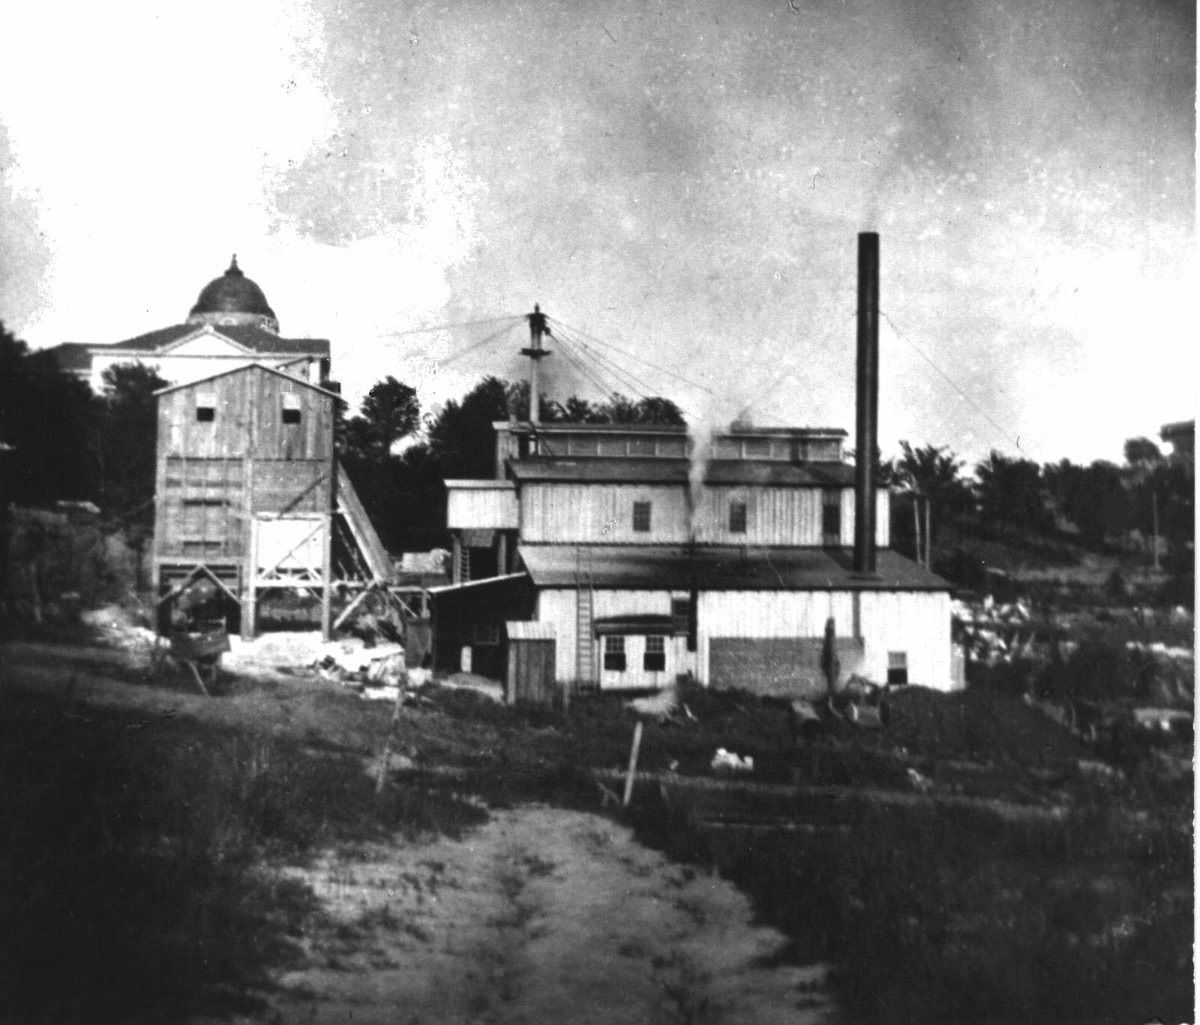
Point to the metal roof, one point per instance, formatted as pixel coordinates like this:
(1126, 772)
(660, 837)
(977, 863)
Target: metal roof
(529, 630)
(721, 568)
(650, 470)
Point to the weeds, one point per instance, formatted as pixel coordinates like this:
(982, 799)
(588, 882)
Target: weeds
(133, 881)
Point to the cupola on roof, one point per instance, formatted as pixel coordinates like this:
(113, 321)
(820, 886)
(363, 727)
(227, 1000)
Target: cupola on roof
(233, 299)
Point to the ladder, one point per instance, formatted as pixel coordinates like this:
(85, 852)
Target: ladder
(585, 641)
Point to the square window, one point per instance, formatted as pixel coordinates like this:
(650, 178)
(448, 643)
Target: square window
(655, 658)
(291, 416)
(897, 667)
(641, 517)
(737, 517)
(205, 414)
(614, 653)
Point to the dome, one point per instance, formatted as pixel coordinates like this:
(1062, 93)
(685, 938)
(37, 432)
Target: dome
(233, 299)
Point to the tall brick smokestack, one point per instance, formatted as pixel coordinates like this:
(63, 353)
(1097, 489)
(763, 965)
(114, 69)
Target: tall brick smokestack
(867, 402)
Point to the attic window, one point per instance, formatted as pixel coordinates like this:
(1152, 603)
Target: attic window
(206, 407)
(291, 408)
(641, 517)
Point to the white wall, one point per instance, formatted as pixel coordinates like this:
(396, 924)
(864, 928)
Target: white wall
(915, 622)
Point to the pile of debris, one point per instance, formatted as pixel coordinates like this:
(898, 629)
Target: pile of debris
(993, 633)
(376, 673)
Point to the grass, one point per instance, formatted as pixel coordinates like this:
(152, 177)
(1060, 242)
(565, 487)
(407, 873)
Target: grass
(937, 916)
(927, 914)
(135, 862)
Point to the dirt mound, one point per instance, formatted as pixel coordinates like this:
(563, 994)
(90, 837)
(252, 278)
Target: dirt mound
(977, 725)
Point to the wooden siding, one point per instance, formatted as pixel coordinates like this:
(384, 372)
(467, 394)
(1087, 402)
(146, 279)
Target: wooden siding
(557, 606)
(248, 419)
(531, 672)
(915, 622)
(215, 475)
(774, 516)
(474, 508)
(603, 514)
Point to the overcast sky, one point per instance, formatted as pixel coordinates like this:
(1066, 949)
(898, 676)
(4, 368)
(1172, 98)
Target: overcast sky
(680, 180)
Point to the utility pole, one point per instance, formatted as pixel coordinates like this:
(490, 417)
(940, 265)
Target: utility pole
(535, 352)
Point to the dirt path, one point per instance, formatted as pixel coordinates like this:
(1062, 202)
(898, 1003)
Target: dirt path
(541, 915)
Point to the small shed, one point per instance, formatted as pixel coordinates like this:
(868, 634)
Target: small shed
(531, 660)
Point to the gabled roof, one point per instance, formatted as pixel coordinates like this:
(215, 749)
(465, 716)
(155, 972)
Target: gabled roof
(721, 568)
(603, 470)
(249, 337)
(243, 369)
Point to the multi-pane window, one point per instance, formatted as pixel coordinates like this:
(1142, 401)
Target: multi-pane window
(655, 658)
(737, 517)
(897, 667)
(614, 653)
(641, 517)
(831, 517)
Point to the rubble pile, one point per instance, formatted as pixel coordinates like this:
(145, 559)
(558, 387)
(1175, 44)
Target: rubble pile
(118, 628)
(376, 673)
(993, 633)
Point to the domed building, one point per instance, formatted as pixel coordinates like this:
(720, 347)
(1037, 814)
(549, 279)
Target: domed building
(230, 325)
(233, 300)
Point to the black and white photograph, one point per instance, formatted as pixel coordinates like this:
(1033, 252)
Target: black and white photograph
(675, 512)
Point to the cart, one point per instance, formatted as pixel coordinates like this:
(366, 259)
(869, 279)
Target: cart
(199, 648)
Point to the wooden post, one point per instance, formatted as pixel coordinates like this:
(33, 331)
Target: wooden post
(928, 535)
(250, 586)
(916, 507)
(633, 757)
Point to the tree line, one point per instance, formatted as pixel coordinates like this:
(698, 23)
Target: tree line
(59, 441)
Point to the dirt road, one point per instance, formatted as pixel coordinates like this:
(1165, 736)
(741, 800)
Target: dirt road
(542, 915)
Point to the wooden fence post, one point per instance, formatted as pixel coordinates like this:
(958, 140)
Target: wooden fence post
(633, 757)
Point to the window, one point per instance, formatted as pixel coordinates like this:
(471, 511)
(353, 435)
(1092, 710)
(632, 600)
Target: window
(641, 517)
(614, 653)
(206, 407)
(291, 409)
(897, 667)
(737, 517)
(485, 632)
(655, 658)
(831, 517)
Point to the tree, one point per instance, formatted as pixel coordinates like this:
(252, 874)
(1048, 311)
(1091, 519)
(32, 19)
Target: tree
(1093, 498)
(1011, 491)
(461, 436)
(392, 409)
(47, 423)
(128, 435)
(931, 475)
(1142, 459)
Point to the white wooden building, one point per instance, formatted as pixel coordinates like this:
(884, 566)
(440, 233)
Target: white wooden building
(649, 568)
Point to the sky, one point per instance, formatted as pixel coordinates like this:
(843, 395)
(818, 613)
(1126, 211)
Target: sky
(678, 183)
